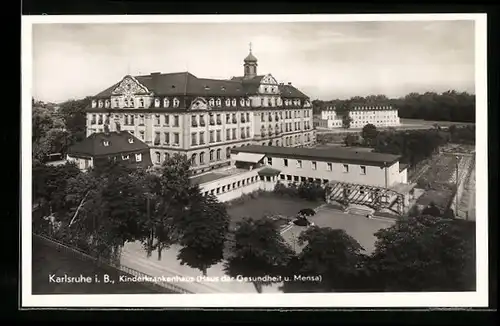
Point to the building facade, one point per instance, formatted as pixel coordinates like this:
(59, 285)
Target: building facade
(379, 116)
(101, 147)
(262, 167)
(205, 118)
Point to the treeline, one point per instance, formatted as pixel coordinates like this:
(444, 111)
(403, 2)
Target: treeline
(413, 145)
(55, 128)
(447, 106)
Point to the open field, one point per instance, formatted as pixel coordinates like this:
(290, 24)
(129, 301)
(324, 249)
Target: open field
(419, 122)
(268, 204)
(359, 227)
(47, 260)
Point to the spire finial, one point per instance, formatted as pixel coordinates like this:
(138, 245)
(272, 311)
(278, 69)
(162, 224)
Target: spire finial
(250, 45)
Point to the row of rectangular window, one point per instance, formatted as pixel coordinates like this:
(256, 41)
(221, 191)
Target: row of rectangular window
(314, 166)
(234, 185)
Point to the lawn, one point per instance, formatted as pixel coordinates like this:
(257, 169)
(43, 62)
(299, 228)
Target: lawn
(47, 260)
(268, 204)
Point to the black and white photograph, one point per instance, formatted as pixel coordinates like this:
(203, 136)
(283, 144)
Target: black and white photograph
(254, 161)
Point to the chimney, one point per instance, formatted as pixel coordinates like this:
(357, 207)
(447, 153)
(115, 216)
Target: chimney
(289, 83)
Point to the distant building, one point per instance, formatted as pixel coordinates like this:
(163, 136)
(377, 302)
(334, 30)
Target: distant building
(205, 118)
(103, 146)
(319, 122)
(379, 116)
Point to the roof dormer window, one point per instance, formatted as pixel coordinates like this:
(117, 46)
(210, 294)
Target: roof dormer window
(131, 140)
(157, 102)
(248, 101)
(218, 102)
(94, 103)
(106, 104)
(100, 104)
(105, 143)
(228, 102)
(141, 103)
(242, 102)
(211, 102)
(176, 102)
(166, 103)
(234, 102)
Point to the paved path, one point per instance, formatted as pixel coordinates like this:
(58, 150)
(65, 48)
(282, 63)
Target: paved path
(134, 256)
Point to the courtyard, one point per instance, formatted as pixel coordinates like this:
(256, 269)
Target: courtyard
(357, 226)
(267, 204)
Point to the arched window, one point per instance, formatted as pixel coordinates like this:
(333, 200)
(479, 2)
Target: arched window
(202, 158)
(228, 152)
(219, 154)
(211, 155)
(218, 102)
(157, 154)
(166, 156)
(157, 102)
(248, 101)
(141, 103)
(211, 102)
(166, 103)
(193, 159)
(233, 102)
(228, 102)
(176, 102)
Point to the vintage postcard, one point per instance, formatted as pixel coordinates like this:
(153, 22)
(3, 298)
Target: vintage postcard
(254, 161)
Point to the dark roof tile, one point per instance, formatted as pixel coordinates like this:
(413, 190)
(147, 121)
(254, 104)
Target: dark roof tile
(93, 145)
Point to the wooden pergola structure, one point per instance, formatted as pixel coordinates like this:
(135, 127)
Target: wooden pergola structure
(374, 197)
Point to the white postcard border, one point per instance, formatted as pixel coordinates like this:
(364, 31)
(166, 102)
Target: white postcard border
(479, 298)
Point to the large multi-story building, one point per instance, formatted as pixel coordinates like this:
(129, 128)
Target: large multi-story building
(379, 116)
(205, 118)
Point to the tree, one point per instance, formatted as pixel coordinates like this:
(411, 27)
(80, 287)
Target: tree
(175, 194)
(74, 117)
(204, 230)
(432, 210)
(332, 255)
(258, 251)
(350, 140)
(346, 121)
(369, 134)
(425, 253)
(311, 191)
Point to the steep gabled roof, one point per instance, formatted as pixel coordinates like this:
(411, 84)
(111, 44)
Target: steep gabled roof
(290, 91)
(93, 145)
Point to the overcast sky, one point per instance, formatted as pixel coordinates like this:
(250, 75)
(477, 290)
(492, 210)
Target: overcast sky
(325, 60)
